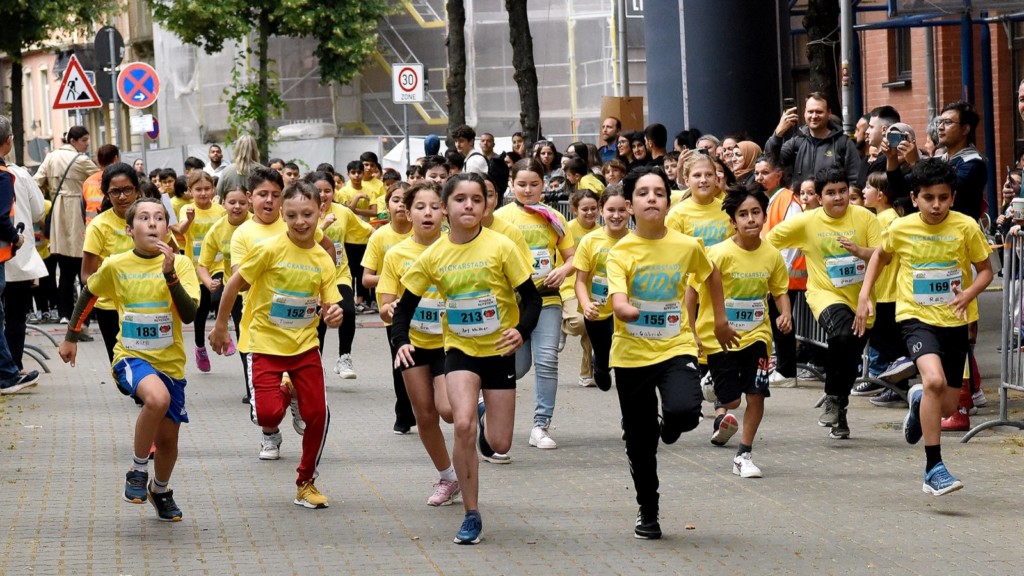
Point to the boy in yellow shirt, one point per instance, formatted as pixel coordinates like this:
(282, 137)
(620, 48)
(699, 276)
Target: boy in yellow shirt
(936, 299)
(155, 292)
(837, 241)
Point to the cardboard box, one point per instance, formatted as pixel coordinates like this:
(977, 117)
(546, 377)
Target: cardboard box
(628, 109)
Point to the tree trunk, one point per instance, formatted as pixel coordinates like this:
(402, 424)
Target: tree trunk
(262, 119)
(525, 70)
(17, 111)
(822, 25)
(456, 43)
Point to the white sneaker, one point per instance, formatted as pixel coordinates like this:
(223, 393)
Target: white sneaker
(539, 438)
(270, 447)
(344, 368)
(979, 399)
(743, 467)
(587, 382)
(297, 422)
(779, 381)
(707, 386)
(498, 458)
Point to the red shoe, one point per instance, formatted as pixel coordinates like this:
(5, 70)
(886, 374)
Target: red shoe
(958, 422)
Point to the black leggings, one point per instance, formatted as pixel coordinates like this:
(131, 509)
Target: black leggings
(70, 268)
(17, 298)
(46, 293)
(403, 408)
(355, 253)
(201, 314)
(844, 350)
(347, 330)
(600, 333)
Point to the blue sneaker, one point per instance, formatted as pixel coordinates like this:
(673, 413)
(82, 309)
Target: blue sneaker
(912, 421)
(939, 481)
(472, 525)
(485, 448)
(135, 490)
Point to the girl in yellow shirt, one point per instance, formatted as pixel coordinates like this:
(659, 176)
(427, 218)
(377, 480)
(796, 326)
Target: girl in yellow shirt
(287, 277)
(700, 213)
(473, 270)
(591, 284)
(584, 204)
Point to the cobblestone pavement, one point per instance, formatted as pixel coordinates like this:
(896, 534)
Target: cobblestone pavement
(824, 506)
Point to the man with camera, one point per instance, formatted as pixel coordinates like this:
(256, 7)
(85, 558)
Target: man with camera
(816, 145)
(879, 121)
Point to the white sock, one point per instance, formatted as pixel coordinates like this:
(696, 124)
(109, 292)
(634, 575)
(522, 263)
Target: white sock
(158, 487)
(140, 463)
(448, 474)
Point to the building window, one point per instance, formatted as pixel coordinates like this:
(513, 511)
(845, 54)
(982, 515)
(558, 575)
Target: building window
(902, 54)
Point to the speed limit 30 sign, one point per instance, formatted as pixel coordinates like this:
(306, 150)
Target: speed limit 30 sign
(407, 83)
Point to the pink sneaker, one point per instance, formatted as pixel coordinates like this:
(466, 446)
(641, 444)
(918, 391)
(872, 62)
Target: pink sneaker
(231, 347)
(445, 492)
(202, 359)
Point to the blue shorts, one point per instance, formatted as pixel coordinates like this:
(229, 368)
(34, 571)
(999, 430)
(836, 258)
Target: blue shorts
(130, 371)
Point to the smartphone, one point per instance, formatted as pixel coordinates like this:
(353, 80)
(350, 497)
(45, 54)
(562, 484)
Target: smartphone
(788, 103)
(894, 138)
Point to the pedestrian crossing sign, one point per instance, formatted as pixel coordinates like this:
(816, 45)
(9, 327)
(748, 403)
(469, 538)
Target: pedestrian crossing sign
(75, 89)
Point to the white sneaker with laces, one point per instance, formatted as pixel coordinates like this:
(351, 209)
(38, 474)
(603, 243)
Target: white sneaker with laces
(270, 446)
(344, 368)
(297, 422)
(498, 458)
(743, 467)
(777, 380)
(979, 399)
(587, 382)
(539, 438)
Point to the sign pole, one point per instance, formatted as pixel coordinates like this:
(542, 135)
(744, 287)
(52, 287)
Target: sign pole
(114, 108)
(408, 149)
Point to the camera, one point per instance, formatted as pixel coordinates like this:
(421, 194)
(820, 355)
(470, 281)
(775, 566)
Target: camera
(894, 138)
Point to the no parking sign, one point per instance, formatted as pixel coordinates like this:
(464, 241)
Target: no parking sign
(138, 85)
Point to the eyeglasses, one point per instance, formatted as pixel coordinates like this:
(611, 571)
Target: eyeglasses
(122, 192)
(946, 122)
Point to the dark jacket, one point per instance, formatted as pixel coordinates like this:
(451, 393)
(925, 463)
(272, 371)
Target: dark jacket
(804, 154)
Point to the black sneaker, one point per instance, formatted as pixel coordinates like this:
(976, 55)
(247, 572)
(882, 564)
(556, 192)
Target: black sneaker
(889, 399)
(867, 389)
(27, 380)
(841, 430)
(135, 486)
(485, 449)
(647, 527)
(603, 380)
(166, 509)
(830, 412)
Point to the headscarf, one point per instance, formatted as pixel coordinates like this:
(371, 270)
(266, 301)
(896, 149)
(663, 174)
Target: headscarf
(751, 151)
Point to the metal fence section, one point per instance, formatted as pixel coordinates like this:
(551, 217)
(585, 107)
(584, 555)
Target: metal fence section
(1011, 366)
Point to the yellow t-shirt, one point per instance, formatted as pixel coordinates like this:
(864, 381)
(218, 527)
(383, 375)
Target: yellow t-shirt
(577, 231)
(933, 260)
(652, 273)
(708, 222)
(834, 276)
(427, 328)
(591, 182)
(150, 325)
(287, 283)
(252, 232)
(346, 228)
(477, 281)
(591, 257)
(675, 197)
(215, 254)
(200, 227)
(749, 278)
(545, 245)
(383, 239)
(42, 242)
(105, 236)
(342, 198)
(501, 226)
(885, 286)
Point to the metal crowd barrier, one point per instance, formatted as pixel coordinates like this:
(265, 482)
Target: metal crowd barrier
(35, 352)
(1011, 366)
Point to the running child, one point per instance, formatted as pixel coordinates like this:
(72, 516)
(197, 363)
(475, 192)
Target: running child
(339, 225)
(424, 379)
(700, 213)
(215, 261)
(155, 291)
(591, 284)
(287, 276)
(837, 241)
(809, 199)
(546, 232)
(584, 205)
(473, 269)
(356, 247)
(653, 349)
(384, 238)
(194, 222)
(751, 271)
(936, 299)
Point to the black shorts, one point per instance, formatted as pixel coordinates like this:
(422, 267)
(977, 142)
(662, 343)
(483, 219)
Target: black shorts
(950, 344)
(737, 372)
(495, 372)
(837, 321)
(432, 357)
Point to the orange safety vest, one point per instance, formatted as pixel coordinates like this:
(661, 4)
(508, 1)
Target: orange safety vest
(92, 196)
(6, 248)
(777, 211)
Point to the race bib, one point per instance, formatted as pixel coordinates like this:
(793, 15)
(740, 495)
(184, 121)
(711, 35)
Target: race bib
(599, 289)
(542, 262)
(197, 247)
(292, 312)
(146, 331)
(744, 315)
(428, 315)
(339, 254)
(934, 287)
(845, 270)
(473, 316)
(657, 321)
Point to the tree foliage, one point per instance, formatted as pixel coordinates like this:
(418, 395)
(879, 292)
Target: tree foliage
(345, 31)
(29, 23)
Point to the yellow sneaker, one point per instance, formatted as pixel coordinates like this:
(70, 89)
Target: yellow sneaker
(310, 497)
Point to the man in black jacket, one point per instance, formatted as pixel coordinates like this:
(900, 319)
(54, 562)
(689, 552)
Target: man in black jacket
(816, 145)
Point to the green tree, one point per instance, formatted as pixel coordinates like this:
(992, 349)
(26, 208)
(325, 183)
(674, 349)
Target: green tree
(345, 31)
(30, 23)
